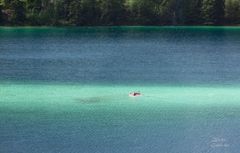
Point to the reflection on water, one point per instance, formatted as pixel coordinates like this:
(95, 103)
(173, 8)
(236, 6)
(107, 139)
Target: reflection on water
(219, 143)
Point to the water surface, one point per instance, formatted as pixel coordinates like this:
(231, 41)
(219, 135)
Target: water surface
(66, 89)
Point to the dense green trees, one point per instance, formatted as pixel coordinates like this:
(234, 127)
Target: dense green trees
(213, 11)
(19, 13)
(89, 12)
(191, 12)
(112, 12)
(1, 15)
(119, 12)
(232, 11)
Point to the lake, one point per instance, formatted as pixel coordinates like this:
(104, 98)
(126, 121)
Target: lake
(66, 89)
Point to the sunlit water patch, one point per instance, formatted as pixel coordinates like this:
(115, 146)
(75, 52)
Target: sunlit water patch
(88, 118)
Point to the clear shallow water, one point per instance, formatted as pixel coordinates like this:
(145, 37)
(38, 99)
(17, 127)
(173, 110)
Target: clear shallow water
(75, 118)
(66, 89)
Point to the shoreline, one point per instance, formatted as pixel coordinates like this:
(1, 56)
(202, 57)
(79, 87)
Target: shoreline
(95, 26)
(119, 28)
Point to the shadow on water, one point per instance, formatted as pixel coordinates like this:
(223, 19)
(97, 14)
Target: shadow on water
(117, 98)
(92, 100)
(99, 99)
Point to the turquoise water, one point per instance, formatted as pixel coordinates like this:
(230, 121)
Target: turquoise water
(75, 118)
(66, 90)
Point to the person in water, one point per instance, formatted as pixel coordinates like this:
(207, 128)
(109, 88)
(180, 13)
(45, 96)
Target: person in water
(135, 94)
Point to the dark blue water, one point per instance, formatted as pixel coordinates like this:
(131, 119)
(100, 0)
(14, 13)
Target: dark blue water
(121, 55)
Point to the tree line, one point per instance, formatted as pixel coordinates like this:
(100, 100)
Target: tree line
(119, 12)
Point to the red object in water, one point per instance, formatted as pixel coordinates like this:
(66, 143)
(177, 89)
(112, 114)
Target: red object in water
(135, 94)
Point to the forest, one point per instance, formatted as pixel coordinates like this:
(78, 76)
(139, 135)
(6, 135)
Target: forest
(119, 12)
